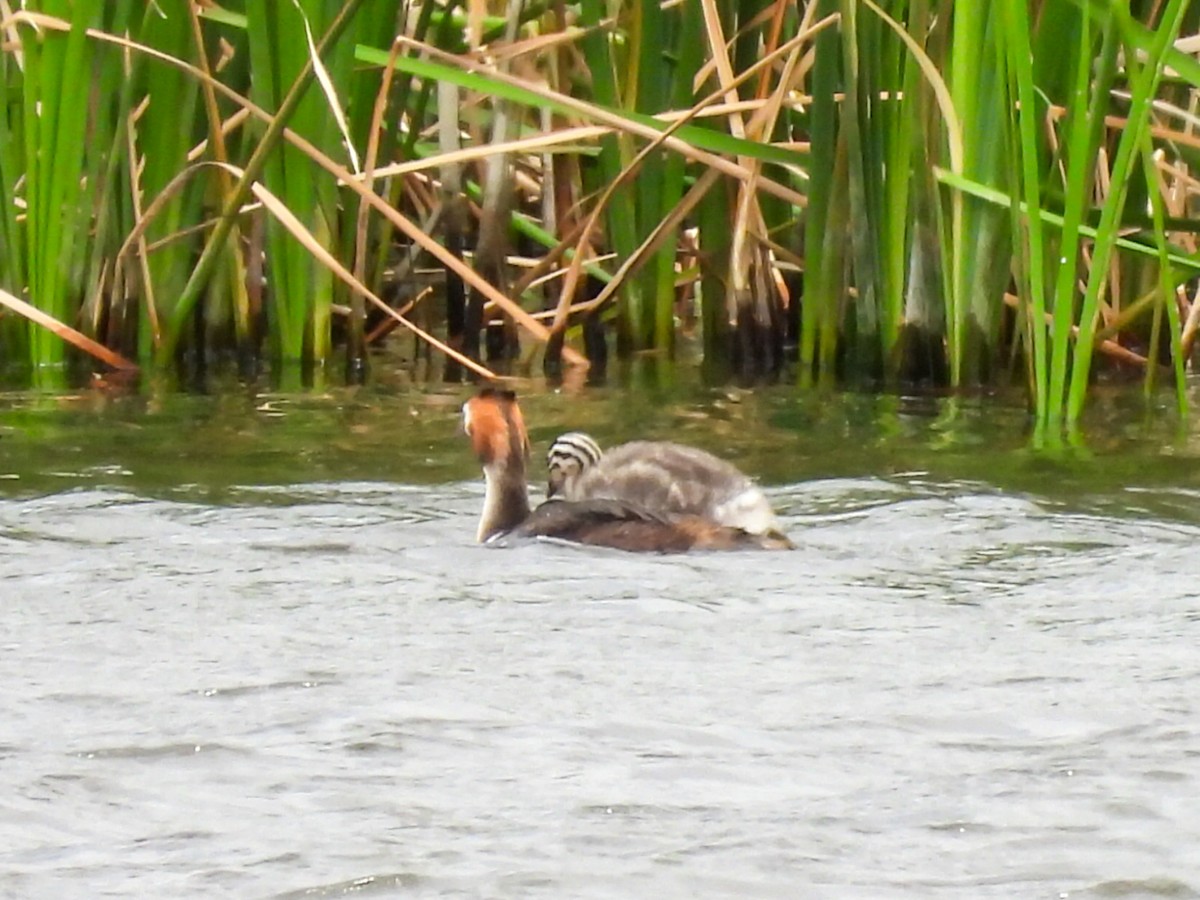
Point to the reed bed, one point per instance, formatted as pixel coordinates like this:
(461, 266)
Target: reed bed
(893, 191)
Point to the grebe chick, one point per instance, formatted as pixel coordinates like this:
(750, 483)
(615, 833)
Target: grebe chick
(667, 478)
(492, 419)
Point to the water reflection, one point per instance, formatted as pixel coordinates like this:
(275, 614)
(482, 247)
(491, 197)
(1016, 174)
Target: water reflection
(211, 444)
(250, 649)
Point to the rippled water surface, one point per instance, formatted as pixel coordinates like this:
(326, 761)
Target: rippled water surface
(248, 649)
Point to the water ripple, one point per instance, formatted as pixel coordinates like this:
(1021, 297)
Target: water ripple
(946, 691)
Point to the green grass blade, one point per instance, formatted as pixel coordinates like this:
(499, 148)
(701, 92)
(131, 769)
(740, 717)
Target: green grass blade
(1016, 32)
(1145, 82)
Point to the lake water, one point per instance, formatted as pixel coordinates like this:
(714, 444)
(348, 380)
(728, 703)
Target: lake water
(249, 649)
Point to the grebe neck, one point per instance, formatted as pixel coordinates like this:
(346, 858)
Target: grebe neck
(505, 500)
(493, 421)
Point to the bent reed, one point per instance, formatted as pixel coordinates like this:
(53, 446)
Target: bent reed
(956, 194)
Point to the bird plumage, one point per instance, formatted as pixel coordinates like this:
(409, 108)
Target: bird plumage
(669, 478)
(493, 421)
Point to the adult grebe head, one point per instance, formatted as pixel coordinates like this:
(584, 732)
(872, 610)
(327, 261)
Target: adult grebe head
(493, 421)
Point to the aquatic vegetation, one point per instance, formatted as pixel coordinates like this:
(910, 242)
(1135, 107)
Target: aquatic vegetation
(894, 191)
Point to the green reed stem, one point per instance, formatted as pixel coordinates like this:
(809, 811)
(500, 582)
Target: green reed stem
(252, 170)
(1016, 32)
(1144, 81)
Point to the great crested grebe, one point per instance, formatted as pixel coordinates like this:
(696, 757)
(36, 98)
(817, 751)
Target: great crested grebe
(492, 419)
(667, 478)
